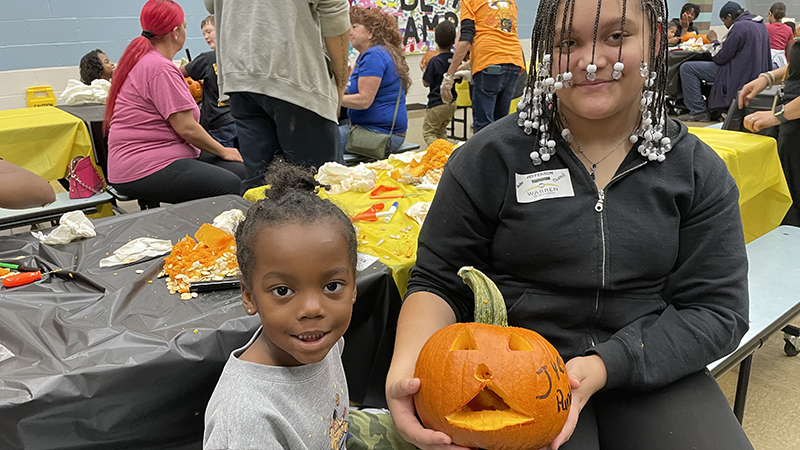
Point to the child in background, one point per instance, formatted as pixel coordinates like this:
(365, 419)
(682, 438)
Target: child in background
(671, 31)
(286, 389)
(96, 65)
(438, 114)
(215, 118)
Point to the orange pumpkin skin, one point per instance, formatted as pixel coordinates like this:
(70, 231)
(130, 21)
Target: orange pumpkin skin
(515, 370)
(195, 88)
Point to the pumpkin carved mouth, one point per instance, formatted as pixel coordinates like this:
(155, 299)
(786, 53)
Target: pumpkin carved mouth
(490, 409)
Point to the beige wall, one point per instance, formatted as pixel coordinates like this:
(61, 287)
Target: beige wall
(14, 83)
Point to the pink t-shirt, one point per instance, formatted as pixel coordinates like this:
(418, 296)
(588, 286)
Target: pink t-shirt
(141, 141)
(779, 35)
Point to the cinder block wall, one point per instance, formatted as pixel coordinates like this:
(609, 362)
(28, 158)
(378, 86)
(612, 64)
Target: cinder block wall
(42, 41)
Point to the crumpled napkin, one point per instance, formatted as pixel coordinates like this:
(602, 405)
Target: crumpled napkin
(418, 211)
(229, 220)
(137, 249)
(694, 44)
(344, 179)
(72, 225)
(5, 353)
(407, 157)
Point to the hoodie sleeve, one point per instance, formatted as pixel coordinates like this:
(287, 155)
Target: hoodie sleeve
(729, 48)
(705, 293)
(334, 17)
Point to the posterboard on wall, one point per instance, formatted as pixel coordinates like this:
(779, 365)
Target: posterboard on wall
(417, 19)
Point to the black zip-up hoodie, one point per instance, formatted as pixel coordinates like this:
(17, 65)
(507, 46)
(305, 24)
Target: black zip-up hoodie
(650, 273)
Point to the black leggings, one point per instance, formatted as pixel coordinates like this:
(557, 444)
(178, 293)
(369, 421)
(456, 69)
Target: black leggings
(187, 179)
(689, 413)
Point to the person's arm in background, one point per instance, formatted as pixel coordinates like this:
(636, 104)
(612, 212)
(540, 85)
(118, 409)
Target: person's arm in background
(466, 36)
(722, 54)
(334, 19)
(754, 87)
(20, 188)
(184, 124)
(367, 89)
(209, 6)
(759, 120)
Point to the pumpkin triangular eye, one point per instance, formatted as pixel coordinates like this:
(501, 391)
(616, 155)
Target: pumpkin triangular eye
(518, 343)
(464, 341)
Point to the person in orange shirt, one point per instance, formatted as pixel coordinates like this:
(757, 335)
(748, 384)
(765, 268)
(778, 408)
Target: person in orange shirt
(489, 27)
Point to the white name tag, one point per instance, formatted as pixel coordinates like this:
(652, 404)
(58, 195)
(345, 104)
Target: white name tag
(537, 186)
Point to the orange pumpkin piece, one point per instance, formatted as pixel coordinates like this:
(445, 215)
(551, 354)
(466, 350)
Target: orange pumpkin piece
(489, 385)
(213, 237)
(195, 88)
(434, 158)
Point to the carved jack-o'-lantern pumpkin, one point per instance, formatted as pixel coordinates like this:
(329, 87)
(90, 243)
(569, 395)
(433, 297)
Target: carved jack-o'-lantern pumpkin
(195, 88)
(489, 385)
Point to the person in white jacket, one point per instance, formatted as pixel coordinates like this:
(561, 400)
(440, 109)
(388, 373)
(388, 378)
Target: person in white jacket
(284, 66)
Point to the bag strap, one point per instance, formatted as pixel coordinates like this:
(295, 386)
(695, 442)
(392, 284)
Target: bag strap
(73, 165)
(396, 106)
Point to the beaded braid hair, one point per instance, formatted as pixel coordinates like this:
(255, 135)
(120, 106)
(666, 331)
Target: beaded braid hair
(538, 108)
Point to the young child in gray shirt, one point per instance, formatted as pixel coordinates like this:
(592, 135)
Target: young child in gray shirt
(286, 389)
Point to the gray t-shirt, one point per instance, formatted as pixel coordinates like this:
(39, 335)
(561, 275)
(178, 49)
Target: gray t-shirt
(255, 406)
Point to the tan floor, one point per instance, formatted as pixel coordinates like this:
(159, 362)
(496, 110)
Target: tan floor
(772, 413)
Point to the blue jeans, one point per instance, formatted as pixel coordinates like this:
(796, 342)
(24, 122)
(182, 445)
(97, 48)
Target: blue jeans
(392, 146)
(225, 135)
(691, 74)
(268, 126)
(492, 95)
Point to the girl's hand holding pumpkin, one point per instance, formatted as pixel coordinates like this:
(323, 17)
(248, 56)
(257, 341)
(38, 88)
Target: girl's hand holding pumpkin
(399, 397)
(587, 375)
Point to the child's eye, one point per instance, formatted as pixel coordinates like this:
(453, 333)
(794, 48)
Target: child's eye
(334, 286)
(281, 291)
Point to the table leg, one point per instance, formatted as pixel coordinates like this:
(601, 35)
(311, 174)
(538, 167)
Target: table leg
(741, 388)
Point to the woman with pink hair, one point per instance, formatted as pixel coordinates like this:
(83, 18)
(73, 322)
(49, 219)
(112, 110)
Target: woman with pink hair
(154, 137)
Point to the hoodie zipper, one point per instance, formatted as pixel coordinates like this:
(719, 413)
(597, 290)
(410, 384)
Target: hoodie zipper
(600, 207)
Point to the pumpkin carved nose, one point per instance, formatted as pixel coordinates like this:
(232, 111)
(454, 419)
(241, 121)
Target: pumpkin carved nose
(483, 373)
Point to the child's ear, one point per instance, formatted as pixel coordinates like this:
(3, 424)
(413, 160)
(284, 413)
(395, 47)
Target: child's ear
(248, 303)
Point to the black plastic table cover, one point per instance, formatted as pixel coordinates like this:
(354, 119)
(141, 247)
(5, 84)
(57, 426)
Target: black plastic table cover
(674, 60)
(132, 366)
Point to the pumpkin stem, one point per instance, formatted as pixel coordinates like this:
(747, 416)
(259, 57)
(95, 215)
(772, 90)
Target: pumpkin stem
(490, 307)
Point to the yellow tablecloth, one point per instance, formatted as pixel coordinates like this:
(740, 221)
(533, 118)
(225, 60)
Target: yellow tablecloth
(43, 140)
(752, 160)
(398, 253)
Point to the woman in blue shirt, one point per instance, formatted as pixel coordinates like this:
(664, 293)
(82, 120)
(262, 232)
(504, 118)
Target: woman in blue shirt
(380, 74)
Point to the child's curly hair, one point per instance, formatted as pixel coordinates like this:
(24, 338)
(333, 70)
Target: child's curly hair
(386, 33)
(291, 198)
(91, 67)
